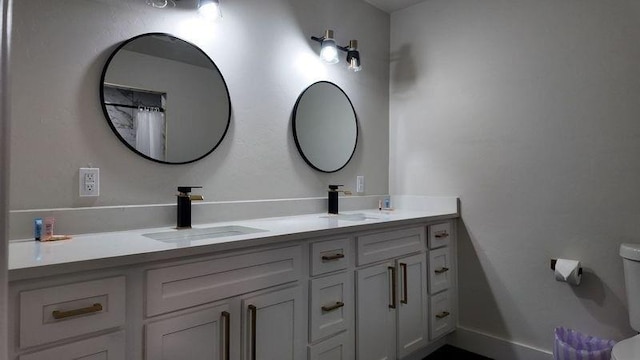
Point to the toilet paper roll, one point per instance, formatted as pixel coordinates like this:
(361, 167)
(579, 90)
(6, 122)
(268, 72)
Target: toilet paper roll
(568, 271)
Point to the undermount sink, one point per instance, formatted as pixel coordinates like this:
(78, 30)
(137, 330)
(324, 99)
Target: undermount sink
(350, 217)
(202, 233)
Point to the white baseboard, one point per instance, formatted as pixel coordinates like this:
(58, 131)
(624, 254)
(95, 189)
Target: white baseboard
(426, 351)
(494, 347)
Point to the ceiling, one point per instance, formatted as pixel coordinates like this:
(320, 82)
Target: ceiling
(392, 5)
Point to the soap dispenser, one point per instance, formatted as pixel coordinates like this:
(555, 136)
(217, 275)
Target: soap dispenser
(184, 205)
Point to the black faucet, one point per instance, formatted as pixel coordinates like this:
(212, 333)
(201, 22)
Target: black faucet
(333, 198)
(184, 205)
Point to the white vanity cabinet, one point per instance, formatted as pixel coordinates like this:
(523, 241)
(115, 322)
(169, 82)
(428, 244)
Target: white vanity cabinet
(331, 304)
(392, 296)
(260, 326)
(69, 319)
(273, 325)
(406, 299)
(203, 334)
(105, 347)
(367, 292)
(255, 318)
(441, 272)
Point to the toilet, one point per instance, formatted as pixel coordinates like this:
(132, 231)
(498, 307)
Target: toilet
(629, 349)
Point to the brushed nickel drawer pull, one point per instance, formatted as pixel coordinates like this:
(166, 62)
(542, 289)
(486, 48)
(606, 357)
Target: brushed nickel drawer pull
(335, 306)
(442, 270)
(57, 314)
(392, 271)
(405, 291)
(227, 333)
(254, 317)
(442, 235)
(443, 315)
(332, 257)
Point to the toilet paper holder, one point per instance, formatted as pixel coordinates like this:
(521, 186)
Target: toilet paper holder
(553, 266)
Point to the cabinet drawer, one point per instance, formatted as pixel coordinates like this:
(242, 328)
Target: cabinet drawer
(335, 348)
(181, 286)
(106, 347)
(328, 256)
(331, 305)
(442, 318)
(60, 312)
(439, 235)
(440, 271)
(389, 244)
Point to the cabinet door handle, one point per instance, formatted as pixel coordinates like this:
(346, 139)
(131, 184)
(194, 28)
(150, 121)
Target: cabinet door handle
(253, 311)
(443, 315)
(442, 235)
(392, 270)
(226, 318)
(332, 257)
(442, 270)
(57, 314)
(405, 292)
(335, 306)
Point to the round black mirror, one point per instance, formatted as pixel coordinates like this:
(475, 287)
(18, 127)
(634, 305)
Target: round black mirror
(325, 127)
(165, 99)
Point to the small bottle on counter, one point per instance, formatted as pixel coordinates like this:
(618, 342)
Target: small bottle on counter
(387, 203)
(37, 229)
(48, 227)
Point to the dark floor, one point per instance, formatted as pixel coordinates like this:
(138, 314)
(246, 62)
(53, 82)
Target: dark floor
(449, 352)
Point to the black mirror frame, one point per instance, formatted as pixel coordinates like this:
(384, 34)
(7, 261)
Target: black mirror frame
(295, 134)
(108, 118)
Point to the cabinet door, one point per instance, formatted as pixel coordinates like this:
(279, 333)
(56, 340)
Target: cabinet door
(105, 347)
(376, 303)
(274, 326)
(201, 335)
(413, 317)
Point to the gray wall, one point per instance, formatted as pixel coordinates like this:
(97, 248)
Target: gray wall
(4, 174)
(262, 49)
(529, 110)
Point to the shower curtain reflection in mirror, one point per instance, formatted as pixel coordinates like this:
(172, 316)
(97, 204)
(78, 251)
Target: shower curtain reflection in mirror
(150, 133)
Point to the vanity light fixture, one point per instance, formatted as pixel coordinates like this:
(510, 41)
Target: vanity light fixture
(329, 50)
(328, 47)
(353, 56)
(210, 9)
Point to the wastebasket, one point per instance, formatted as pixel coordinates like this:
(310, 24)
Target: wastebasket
(570, 344)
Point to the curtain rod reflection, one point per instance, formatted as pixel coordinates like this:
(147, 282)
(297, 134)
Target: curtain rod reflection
(148, 108)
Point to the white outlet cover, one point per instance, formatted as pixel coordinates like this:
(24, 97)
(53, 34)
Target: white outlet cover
(89, 181)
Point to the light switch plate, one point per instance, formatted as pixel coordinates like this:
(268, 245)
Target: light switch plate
(360, 184)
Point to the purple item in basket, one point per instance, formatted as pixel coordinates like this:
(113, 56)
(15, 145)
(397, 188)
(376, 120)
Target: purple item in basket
(572, 345)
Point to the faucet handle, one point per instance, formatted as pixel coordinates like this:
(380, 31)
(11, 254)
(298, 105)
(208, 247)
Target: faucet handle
(334, 187)
(187, 189)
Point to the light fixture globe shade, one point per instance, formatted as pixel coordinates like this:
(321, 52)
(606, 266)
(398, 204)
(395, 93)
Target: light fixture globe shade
(329, 51)
(210, 9)
(353, 58)
(354, 65)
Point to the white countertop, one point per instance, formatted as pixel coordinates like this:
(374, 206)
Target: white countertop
(28, 258)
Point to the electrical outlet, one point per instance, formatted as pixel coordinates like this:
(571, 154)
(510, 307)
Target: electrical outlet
(360, 184)
(89, 182)
(89, 177)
